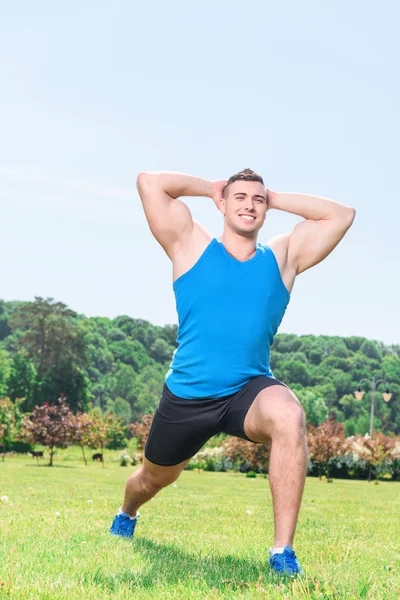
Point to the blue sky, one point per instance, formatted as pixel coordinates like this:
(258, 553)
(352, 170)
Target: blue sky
(92, 93)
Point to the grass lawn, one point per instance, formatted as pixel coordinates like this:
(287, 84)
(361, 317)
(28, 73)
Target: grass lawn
(195, 540)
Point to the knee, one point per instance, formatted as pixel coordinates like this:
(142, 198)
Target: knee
(292, 420)
(154, 482)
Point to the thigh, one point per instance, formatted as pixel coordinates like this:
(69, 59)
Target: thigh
(236, 420)
(179, 429)
(275, 412)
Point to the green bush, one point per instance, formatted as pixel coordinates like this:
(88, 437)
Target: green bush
(20, 447)
(125, 460)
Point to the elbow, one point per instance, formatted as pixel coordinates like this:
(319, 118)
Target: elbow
(349, 217)
(352, 215)
(144, 180)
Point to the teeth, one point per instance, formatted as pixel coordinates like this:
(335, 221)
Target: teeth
(247, 218)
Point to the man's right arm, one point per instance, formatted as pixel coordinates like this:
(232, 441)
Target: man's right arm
(170, 220)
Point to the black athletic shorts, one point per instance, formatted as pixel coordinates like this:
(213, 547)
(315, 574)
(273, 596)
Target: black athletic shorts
(180, 427)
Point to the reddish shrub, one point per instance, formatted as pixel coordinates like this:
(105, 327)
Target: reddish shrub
(140, 430)
(248, 456)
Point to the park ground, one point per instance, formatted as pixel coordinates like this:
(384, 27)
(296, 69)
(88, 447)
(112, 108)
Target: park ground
(206, 537)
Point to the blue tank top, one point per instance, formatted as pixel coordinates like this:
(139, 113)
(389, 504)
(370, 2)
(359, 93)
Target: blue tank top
(228, 314)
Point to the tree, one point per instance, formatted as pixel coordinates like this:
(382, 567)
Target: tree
(337, 347)
(296, 372)
(21, 381)
(375, 451)
(169, 333)
(287, 342)
(105, 431)
(145, 333)
(326, 441)
(123, 410)
(69, 381)
(315, 355)
(130, 352)
(326, 391)
(83, 425)
(52, 426)
(341, 381)
(354, 343)
(40, 321)
(5, 369)
(4, 326)
(10, 422)
(371, 350)
(161, 351)
(391, 367)
(147, 390)
(363, 424)
(350, 406)
(124, 382)
(314, 406)
(55, 344)
(349, 428)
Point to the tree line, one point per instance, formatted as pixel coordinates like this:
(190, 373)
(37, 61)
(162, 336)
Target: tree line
(118, 366)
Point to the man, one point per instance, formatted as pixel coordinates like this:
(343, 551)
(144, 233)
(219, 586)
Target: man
(231, 294)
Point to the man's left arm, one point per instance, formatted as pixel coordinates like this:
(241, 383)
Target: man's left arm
(312, 240)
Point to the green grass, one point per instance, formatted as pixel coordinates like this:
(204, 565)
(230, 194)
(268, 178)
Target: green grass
(193, 541)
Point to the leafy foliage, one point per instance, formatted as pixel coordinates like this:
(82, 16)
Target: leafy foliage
(314, 406)
(10, 422)
(375, 451)
(53, 426)
(105, 431)
(141, 429)
(47, 349)
(247, 456)
(21, 380)
(326, 441)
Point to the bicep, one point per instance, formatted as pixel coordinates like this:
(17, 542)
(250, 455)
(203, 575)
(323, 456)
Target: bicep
(312, 241)
(169, 219)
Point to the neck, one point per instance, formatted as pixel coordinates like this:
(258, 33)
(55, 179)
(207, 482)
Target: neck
(239, 246)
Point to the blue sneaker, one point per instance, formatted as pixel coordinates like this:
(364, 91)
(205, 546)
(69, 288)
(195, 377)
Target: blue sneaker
(124, 525)
(285, 562)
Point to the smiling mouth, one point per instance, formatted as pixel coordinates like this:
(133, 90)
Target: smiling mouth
(248, 218)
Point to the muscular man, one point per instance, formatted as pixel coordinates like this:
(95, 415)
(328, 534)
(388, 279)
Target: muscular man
(231, 294)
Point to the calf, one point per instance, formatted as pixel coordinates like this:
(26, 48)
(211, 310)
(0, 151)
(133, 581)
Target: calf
(98, 456)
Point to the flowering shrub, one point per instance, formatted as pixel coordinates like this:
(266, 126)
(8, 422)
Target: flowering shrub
(325, 442)
(210, 459)
(124, 459)
(140, 430)
(247, 456)
(378, 452)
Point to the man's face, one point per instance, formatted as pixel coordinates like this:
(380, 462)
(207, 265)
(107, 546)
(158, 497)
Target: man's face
(245, 206)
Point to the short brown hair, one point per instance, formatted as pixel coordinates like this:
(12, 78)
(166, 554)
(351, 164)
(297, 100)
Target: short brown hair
(245, 175)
